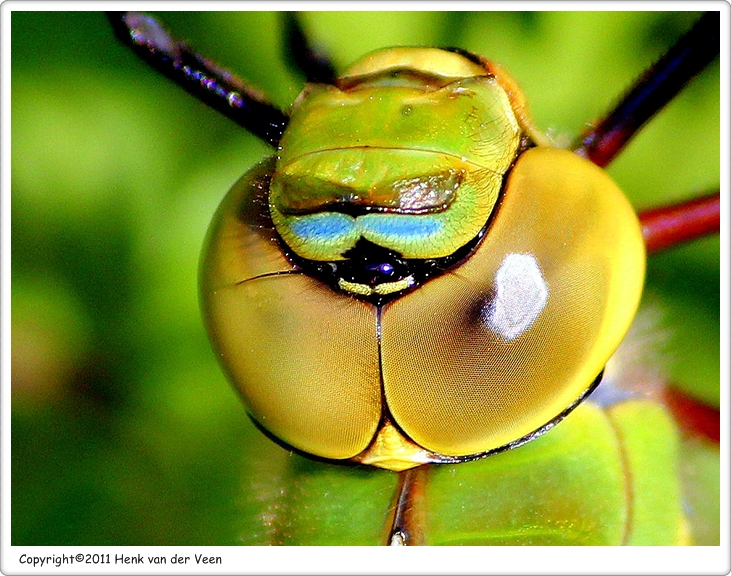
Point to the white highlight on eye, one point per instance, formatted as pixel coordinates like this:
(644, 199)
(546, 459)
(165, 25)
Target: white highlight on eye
(520, 296)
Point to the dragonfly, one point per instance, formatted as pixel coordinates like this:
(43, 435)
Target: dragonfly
(540, 488)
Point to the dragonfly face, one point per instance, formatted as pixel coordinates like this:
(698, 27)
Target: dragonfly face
(309, 267)
(396, 312)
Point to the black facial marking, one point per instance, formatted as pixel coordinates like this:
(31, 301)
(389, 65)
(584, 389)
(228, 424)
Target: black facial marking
(370, 265)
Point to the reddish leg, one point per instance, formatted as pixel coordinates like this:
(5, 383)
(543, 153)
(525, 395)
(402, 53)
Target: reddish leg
(670, 225)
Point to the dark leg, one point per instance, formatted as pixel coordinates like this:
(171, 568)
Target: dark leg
(657, 86)
(203, 79)
(671, 225)
(302, 56)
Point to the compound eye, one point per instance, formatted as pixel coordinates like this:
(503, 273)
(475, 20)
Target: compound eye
(303, 357)
(483, 357)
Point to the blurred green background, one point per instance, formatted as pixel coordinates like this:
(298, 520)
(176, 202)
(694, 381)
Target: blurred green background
(124, 430)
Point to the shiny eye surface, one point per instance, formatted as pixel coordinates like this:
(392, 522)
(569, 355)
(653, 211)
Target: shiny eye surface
(499, 346)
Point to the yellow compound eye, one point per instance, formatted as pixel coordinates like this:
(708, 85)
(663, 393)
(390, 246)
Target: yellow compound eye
(303, 357)
(500, 346)
(471, 361)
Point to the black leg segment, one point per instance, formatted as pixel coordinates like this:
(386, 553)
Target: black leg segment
(653, 90)
(211, 84)
(301, 55)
